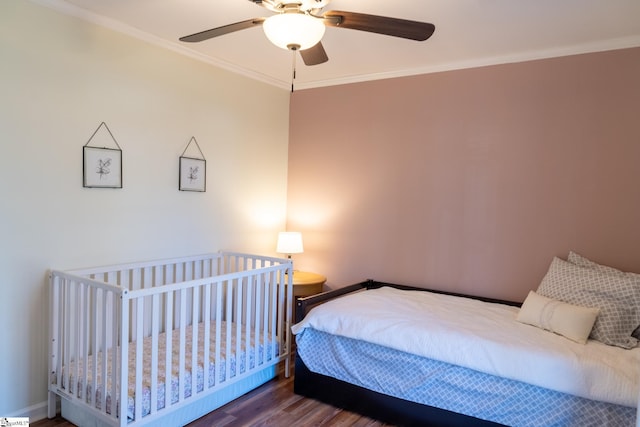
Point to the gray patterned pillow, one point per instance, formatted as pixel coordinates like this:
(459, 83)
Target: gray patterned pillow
(585, 262)
(618, 299)
(577, 259)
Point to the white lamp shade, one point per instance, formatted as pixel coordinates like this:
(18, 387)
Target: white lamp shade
(289, 242)
(293, 29)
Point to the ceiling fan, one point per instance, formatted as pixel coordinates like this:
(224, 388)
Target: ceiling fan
(300, 25)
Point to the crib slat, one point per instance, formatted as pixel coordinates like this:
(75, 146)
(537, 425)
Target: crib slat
(248, 327)
(229, 322)
(183, 333)
(206, 268)
(94, 348)
(259, 307)
(278, 330)
(178, 277)
(107, 321)
(66, 355)
(277, 314)
(155, 332)
(266, 314)
(218, 342)
(139, 340)
(146, 282)
(238, 321)
(206, 318)
(136, 279)
(168, 348)
(112, 277)
(76, 334)
(84, 353)
(67, 332)
(194, 339)
(121, 373)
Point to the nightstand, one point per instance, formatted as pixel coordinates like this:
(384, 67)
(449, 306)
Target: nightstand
(306, 284)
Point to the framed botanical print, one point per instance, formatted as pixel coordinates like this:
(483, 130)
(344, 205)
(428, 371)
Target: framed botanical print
(193, 174)
(102, 167)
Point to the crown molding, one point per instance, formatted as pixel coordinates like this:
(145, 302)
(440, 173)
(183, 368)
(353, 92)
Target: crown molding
(75, 11)
(598, 46)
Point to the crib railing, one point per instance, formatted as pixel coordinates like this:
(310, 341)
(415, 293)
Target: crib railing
(166, 316)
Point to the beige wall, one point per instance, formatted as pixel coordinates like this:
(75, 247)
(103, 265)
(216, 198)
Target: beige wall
(469, 180)
(60, 77)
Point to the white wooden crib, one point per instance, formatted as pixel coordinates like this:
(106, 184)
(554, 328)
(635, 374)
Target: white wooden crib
(139, 328)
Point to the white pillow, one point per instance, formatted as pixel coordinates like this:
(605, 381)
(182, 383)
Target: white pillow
(571, 321)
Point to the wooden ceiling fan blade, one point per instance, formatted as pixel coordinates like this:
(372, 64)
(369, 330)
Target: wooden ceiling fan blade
(403, 28)
(314, 55)
(220, 31)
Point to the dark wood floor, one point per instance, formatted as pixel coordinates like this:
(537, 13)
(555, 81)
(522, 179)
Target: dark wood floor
(274, 404)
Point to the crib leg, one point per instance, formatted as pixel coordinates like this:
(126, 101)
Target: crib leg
(52, 405)
(287, 366)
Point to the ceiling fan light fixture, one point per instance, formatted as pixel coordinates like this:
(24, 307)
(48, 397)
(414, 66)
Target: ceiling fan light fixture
(293, 30)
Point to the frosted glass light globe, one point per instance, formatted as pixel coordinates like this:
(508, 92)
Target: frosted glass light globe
(293, 30)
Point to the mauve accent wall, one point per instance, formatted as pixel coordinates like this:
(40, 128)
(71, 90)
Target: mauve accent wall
(469, 180)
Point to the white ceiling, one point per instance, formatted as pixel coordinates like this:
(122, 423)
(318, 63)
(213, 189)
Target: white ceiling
(468, 33)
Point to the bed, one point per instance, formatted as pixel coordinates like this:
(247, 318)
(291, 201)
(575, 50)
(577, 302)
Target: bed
(177, 338)
(410, 356)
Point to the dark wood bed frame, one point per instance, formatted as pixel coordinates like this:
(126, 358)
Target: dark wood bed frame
(369, 403)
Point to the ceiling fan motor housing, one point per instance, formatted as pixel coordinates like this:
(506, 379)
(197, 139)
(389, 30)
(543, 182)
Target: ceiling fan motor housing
(300, 5)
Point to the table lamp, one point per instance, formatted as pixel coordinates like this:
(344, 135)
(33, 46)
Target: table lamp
(289, 242)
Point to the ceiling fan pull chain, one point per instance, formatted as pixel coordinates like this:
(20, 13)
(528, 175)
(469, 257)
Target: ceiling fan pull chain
(293, 67)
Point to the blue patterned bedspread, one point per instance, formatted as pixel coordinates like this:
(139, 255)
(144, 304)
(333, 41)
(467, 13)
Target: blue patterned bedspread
(452, 387)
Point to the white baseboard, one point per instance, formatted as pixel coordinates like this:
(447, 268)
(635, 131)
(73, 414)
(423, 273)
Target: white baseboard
(35, 412)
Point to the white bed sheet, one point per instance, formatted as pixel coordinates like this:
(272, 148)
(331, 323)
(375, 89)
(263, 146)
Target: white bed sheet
(481, 336)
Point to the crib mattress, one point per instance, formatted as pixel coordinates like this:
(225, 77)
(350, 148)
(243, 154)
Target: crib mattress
(452, 387)
(259, 352)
